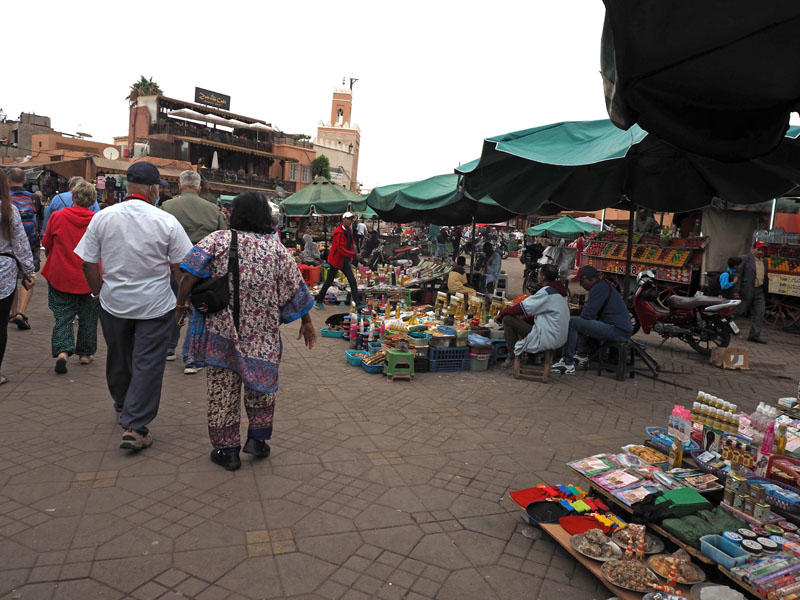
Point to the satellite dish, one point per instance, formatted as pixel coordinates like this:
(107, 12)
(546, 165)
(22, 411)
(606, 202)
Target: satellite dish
(111, 153)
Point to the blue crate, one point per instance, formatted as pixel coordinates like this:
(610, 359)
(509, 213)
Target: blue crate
(455, 353)
(374, 347)
(374, 369)
(446, 364)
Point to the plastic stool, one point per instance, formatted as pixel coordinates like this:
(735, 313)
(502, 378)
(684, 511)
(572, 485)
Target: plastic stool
(501, 286)
(399, 364)
(622, 366)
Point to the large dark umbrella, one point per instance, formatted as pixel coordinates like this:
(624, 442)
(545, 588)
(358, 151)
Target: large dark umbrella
(714, 77)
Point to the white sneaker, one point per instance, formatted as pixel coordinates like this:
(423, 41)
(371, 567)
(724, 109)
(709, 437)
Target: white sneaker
(170, 355)
(581, 360)
(191, 370)
(563, 368)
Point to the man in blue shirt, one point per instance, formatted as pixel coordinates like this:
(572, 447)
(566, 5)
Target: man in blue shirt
(63, 200)
(604, 317)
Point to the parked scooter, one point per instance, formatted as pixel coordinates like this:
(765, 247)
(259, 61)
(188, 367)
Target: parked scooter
(700, 321)
(383, 255)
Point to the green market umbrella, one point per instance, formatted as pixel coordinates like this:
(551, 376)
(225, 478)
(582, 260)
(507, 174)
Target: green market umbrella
(588, 165)
(563, 227)
(439, 200)
(322, 197)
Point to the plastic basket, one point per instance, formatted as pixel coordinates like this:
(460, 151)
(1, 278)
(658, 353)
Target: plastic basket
(419, 338)
(441, 341)
(663, 441)
(478, 362)
(336, 333)
(706, 467)
(446, 330)
(456, 353)
(374, 347)
(781, 503)
(449, 364)
(487, 350)
(354, 356)
(374, 369)
(724, 552)
(421, 364)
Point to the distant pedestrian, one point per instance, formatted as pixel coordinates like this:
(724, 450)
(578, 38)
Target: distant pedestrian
(243, 348)
(136, 243)
(16, 260)
(341, 257)
(64, 200)
(26, 204)
(198, 217)
(753, 284)
(68, 294)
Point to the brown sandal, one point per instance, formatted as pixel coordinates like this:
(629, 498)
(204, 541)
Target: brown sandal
(21, 321)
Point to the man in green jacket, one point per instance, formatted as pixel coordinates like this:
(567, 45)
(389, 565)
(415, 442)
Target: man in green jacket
(198, 217)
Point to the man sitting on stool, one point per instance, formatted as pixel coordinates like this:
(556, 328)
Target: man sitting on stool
(551, 312)
(604, 317)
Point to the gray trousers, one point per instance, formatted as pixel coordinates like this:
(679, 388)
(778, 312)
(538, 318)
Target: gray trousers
(515, 329)
(135, 365)
(757, 304)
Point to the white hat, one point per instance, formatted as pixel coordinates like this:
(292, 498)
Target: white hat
(348, 215)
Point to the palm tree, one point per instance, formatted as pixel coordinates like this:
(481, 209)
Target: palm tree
(143, 87)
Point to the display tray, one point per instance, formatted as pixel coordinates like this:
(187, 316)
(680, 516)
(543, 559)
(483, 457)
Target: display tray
(700, 575)
(576, 539)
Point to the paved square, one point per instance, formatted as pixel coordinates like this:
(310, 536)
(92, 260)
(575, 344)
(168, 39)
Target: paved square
(373, 489)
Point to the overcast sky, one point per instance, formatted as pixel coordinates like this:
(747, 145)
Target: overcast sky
(435, 77)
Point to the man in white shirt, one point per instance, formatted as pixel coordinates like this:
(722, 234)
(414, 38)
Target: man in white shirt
(136, 244)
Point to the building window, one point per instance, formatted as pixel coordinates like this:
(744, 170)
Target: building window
(306, 173)
(294, 172)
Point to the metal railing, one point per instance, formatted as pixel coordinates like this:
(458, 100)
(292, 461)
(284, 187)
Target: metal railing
(232, 177)
(217, 135)
(289, 141)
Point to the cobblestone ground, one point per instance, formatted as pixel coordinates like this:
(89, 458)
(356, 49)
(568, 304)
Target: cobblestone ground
(373, 490)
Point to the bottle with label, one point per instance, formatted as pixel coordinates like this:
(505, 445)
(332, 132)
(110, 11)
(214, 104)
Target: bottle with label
(780, 439)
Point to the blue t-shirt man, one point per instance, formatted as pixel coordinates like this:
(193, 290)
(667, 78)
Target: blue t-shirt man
(59, 201)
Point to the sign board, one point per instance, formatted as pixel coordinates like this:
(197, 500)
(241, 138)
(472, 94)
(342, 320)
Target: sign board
(209, 98)
(787, 285)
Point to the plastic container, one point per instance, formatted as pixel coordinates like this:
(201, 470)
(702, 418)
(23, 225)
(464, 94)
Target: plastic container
(374, 369)
(441, 341)
(335, 333)
(724, 552)
(481, 350)
(478, 362)
(421, 364)
(448, 331)
(374, 347)
(457, 353)
(453, 364)
(354, 356)
(419, 338)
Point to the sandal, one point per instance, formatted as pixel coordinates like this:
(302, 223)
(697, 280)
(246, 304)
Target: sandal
(21, 321)
(3, 379)
(85, 360)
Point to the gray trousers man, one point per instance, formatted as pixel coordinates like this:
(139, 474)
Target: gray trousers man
(135, 365)
(515, 329)
(756, 304)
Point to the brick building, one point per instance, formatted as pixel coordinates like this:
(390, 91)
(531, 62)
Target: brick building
(340, 140)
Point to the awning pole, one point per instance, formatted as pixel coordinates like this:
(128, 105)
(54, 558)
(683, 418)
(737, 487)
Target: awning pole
(628, 254)
(772, 214)
(603, 220)
(472, 256)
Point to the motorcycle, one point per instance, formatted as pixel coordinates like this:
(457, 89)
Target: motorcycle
(700, 321)
(404, 255)
(503, 247)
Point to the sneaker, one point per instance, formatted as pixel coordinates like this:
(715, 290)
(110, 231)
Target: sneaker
(581, 360)
(563, 368)
(191, 370)
(171, 354)
(319, 305)
(133, 440)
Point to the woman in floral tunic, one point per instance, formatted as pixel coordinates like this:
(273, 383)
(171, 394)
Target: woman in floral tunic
(271, 292)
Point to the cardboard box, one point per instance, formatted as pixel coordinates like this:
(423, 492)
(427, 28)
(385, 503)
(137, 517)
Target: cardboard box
(731, 358)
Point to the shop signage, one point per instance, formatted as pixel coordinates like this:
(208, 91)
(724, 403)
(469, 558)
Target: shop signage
(787, 285)
(209, 98)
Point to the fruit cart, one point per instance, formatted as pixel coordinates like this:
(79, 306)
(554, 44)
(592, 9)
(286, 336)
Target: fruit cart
(783, 299)
(675, 261)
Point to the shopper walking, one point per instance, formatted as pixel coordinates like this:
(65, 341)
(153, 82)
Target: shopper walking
(244, 346)
(26, 204)
(68, 294)
(64, 200)
(340, 258)
(753, 284)
(136, 243)
(198, 217)
(16, 260)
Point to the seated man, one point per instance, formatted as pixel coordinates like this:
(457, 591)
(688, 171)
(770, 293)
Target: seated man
(310, 254)
(457, 279)
(604, 317)
(551, 311)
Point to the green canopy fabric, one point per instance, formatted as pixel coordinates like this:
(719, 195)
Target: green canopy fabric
(563, 227)
(588, 165)
(322, 197)
(438, 200)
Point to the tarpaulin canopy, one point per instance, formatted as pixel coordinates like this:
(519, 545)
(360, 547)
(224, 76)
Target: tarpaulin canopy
(563, 227)
(188, 113)
(588, 165)
(717, 78)
(322, 197)
(437, 200)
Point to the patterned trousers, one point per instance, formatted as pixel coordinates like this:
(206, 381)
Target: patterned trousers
(66, 307)
(224, 410)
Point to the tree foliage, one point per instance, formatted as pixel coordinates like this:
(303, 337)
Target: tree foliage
(321, 166)
(144, 87)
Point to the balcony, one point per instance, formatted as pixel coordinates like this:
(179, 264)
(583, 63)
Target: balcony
(254, 181)
(293, 142)
(187, 129)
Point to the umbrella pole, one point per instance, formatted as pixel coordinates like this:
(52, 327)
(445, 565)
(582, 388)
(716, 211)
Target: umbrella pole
(603, 221)
(628, 254)
(772, 214)
(472, 256)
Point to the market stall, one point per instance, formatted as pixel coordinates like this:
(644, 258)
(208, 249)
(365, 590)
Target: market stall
(708, 506)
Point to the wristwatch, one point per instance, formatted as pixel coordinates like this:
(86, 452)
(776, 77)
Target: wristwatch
(95, 296)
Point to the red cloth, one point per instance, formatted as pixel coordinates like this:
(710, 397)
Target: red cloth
(579, 254)
(341, 247)
(525, 497)
(581, 524)
(63, 267)
(559, 287)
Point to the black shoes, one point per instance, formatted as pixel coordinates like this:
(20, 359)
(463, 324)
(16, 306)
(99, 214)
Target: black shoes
(229, 462)
(257, 448)
(61, 366)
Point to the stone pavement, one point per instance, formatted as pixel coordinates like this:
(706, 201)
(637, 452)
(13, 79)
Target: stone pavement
(373, 490)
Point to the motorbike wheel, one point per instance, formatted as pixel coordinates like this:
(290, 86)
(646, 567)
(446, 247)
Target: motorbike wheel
(503, 252)
(718, 335)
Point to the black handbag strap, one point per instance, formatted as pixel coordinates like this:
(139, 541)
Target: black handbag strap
(233, 269)
(20, 268)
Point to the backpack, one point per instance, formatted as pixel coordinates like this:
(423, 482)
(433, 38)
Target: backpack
(441, 237)
(26, 205)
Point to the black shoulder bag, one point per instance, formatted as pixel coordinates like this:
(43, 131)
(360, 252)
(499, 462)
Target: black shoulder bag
(25, 278)
(213, 295)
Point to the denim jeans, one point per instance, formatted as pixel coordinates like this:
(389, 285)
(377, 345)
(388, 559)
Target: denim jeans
(588, 328)
(441, 250)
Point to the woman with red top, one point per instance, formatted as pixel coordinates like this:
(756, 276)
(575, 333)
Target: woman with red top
(68, 293)
(340, 258)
